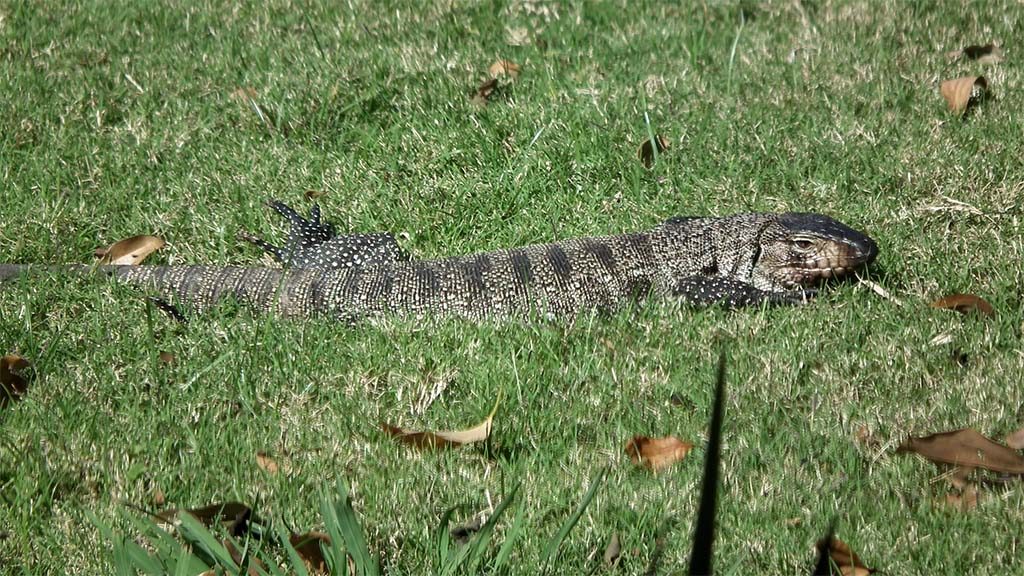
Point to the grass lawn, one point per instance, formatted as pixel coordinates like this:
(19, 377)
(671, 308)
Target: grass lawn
(181, 119)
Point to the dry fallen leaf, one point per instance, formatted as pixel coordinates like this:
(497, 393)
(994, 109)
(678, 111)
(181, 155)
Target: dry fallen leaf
(987, 54)
(130, 251)
(964, 500)
(1015, 440)
(314, 194)
(159, 499)
(265, 462)
(243, 94)
(963, 93)
(964, 303)
(966, 447)
(12, 384)
(646, 151)
(308, 547)
(959, 477)
(444, 439)
(657, 453)
(866, 437)
(234, 515)
(166, 357)
(504, 68)
(849, 563)
(613, 551)
(256, 566)
(484, 91)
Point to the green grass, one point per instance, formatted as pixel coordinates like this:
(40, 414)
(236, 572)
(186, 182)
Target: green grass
(117, 119)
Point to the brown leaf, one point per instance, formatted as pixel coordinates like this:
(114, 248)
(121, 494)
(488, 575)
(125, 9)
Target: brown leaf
(256, 566)
(444, 439)
(12, 384)
(987, 54)
(484, 91)
(243, 94)
(646, 151)
(130, 251)
(966, 447)
(1015, 440)
(308, 546)
(166, 357)
(613, 551)
(657, 453)
(314, 194)
(265, 462)
(965, 303)
(963, 93)
(847, 561)
(226, 511)
(159, 499)
(504, 68)
(964, 500)
(959, 477)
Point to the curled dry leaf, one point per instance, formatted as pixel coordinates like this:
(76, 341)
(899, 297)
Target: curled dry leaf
(613, 551)
(646, 151)
(848, 562)
(657, 453)
(963, 501)
(12, 384)
(256, 566)
(130, 251)
(484, 91)
(444, 439)
(963, 93)
(309, 548)
(234, 514)
(965, 303)
(266, 463)
(966, 447)
(987, 54)
(504, 68)
(1015, 440)
(960, 477)
(243, 94)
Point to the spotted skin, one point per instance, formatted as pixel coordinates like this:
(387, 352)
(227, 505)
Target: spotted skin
(736, 261)
(316, 245)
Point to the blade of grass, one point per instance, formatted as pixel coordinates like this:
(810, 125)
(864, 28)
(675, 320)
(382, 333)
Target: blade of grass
(297, 563)
(444, 540)
(481, 539)
(704, 529)
(510, 539)
(352, 533)
(197, 534)
(570, 523)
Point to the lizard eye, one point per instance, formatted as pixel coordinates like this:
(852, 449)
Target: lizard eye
(803, 244)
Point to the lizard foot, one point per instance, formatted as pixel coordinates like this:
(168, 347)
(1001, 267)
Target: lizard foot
(315, 244)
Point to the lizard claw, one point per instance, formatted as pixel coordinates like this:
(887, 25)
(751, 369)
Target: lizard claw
(796, 297)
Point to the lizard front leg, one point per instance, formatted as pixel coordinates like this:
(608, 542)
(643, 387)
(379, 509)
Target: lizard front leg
(706, 290)
(315, 244)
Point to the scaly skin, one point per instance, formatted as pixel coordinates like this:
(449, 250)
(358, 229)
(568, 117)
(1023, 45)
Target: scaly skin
(741, 260)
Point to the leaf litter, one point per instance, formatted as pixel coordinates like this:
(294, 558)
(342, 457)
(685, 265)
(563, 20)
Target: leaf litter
(444, 439)
(965, 304)
(130, 251)
(12, 384)
(964, 93)
(656, 454)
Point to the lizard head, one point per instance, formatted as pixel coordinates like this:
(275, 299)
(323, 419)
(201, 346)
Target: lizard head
(799, 250)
